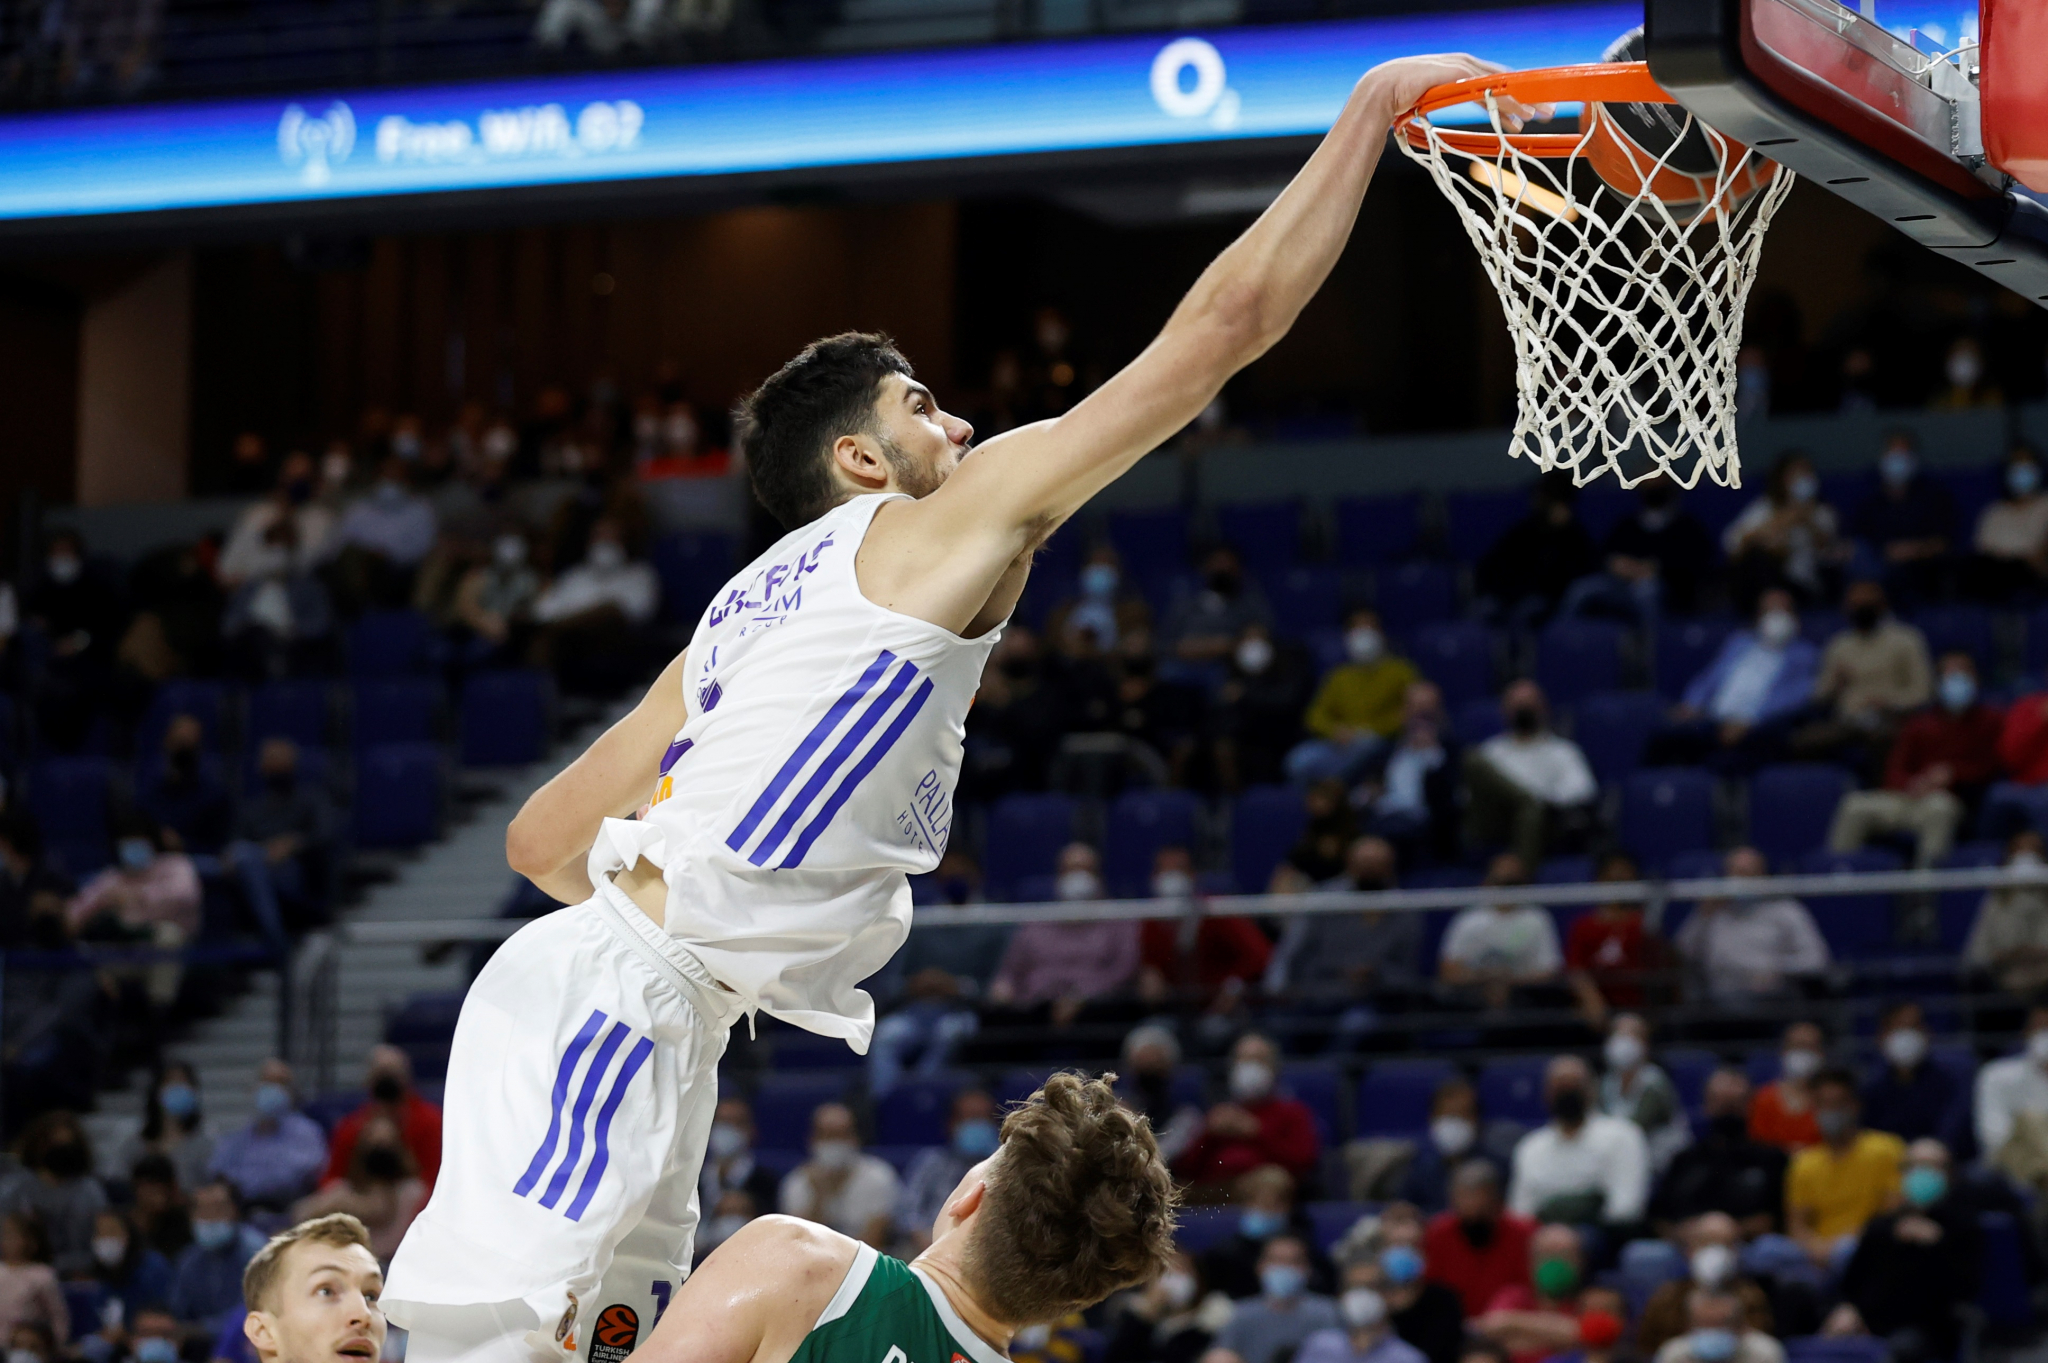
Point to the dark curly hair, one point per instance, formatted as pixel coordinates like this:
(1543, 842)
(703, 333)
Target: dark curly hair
(1079, 1205)
(787, 425)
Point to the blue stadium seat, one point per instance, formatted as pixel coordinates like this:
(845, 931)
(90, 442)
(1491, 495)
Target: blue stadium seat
(1511, 1088)
(1819, 624)
(204, 700)
(392, 643)
(898, 1157)
(83, 1302)
(2035, 655)
(1689, 1070)
(1682, 650)
(1836, 1349)
(1961, 628)
(1330, 1222)
(1857, 927)
(329, 1108)
(1141, 822)
(1458, 656)
(1304, 600)
(395, 710)
(795, 1049)
(424, 1028)
(1025, 835)
(398, 794)
(1474, 520)
(916, 1110)
(1613, 727)
(1576, 658)
(1717, 507)
(1372, 531)
(1973, 489)
(296, 709)
(1413, 595)
(784, 1102)
(1149, 540)
(1791, 805)
(692, 567)
(69, 797)
(2008, 799)
(2005, 1298)
(1266, 535)
(1476, 720)
(1602, 508)
(1665, 811)
(1569, 870)
(1394, 1096)
(1201, 1228)
(1313, 1083)
(505, 717)
(1265, 822)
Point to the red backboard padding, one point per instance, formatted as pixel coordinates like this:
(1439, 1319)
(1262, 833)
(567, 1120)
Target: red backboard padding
(2013, 81)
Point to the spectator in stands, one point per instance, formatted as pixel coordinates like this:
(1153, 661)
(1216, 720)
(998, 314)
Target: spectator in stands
(1910, 1096)
(129, 1270)
(2012, 1106)
(60, 1191)
(1736, 713)
(1637, 1089)
(172, 1126)
(1255, 715)
(290, 821)
(1741, 952)
(1535, 1319)
(2023, 743)
(1967, 383)
(1835, 1187)
(2011, 540)
(599, 602)
(1255, 1125)
(1787, 538)
(1285, 1313)
(1427, 1314)
(1359, 705)
(1172, 1319)
(183, 790)
(155, 1336)
(1205, 626)
(2009, 939)
(161, 1215)
(1062, 966)
(1915, 1266)
(248, 550)
(79, 615)
(1476, 1247)
(1151, 1054)
(1908, 522)
(1942, 762)
(495, 599)
(1527, 571)
(1016, 723)
(380, 541)
(942, 971)
(1782, 1113)
(971, 1137)
(1410, 787)
(729, 1214)
(841, 1185)
(1211, 961)
(392, 1095)
(729, 1163)
(1656, 559)
(1163, 714)
(1528, 787)
(207, 1278)
(1719, 1333)
(1351, 966)
(1267, 1198)
(1458, 1131)
(149, 897)
(1608, 954)
(1106, 608)
(29, 1294)
(1327, 832)
(50, 1019)
(1725, 1170)
(277, 1157)
(1582, 1167)
(1369, 1334)
(1873, 674)
(1494, 948)
(280, 620)
(28, 880)
(382, 1188)
(1712, 1243)
(32, 1342)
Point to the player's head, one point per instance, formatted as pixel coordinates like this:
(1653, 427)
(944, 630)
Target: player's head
(845, 417)
(1074, 1205)
(312, 1295)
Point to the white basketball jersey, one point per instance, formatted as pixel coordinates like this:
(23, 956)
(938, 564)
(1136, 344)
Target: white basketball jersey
(816, 771)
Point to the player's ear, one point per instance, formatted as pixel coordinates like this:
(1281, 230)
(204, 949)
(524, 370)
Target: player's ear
(860, 460)
(261, 1332)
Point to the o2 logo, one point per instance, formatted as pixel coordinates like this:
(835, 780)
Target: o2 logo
(1188, 81)
(316, 144)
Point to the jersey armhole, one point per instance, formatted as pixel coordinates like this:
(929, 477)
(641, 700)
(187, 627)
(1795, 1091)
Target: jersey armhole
(850, 1287)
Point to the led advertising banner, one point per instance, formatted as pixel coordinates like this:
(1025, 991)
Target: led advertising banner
(1056, 96)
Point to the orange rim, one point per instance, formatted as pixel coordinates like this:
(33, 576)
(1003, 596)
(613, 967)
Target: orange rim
(1595, 82)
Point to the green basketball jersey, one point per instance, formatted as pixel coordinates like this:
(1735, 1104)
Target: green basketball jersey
(887, 1312)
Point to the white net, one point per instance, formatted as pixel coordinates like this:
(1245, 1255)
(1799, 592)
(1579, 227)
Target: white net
(1625, 307)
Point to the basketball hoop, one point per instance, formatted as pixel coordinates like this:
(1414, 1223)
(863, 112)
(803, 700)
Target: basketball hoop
(1623, 254)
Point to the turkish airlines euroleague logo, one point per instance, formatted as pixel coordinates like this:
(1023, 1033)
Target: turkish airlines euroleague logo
(617, 1329)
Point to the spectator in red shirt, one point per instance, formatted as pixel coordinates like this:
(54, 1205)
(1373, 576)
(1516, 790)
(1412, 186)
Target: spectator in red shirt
(393, 1096)
(1534, 1320)
(1942, 762)
(2023, 743)
(1255, 1126)
(1477, 1247)
(1209, 958)
(1607, 951)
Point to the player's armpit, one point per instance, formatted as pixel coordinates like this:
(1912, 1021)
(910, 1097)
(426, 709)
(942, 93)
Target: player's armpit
(755, 1298)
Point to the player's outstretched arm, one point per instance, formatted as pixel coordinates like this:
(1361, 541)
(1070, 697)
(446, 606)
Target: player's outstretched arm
(755, 1298)
(550, 838)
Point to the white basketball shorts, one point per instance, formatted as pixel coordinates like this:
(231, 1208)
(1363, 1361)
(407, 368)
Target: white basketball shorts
(580, 1092)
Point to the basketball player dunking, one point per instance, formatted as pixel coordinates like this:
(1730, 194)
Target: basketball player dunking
(790, 768)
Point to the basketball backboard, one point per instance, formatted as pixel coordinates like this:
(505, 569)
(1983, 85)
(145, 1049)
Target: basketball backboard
(1926, 113)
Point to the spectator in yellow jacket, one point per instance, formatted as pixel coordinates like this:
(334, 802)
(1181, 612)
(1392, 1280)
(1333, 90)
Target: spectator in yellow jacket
(1357, 707)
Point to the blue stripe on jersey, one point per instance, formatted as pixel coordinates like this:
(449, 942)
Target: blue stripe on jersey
(561, 1095)
(635, 1058)
(857, 775)
(818, 734)
(585, 1096)
(834, 760)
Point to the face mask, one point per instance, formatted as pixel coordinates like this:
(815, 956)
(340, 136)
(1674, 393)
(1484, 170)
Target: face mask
(135, 854)
(1799, 1063)
(1363, 1308)
(406, 445)
(1030, 1339)
(1624, 1052)
(1958, 690)
(1712, 1265)
(1401, 1264)
(387, 1088)
(499, 442)
(65, 1161)
(1250, 1080)
(26, 1356)
(1865, 616)
(213, 1234)
(1172, 885)
(1555, 1278)
(510, 551)
(155, 1349)
(179, 1100)
(1254, 1224)
(1524, 720)
(1282, 1282)
(1452, 1135)
(1712, 1346)
(1923, 1186)
(681, 431)
(834, 1155)
(724, 1227)
(1729, 1126)
(109, 1250)
(273, 1100)
(1964, 369)
(1897, 467)
(1804, 487)
(2023, 480)
(1078, 885)
(384, 1164)
(1906, 1047)
(727, 1140)
(63, 568)
(280, 782)
(1099, 580)
(976, 1139)
(1254, 655)
(1223, 581)
(1568, 1106)
(1777, 628)
(1178, 1288)
(185, 763)
(606, 555)
(335, 469)
(1834, 1123)
(1364, 644)
(1478, 1231)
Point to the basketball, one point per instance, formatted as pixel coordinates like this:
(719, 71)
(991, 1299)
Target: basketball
(1661, 150)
